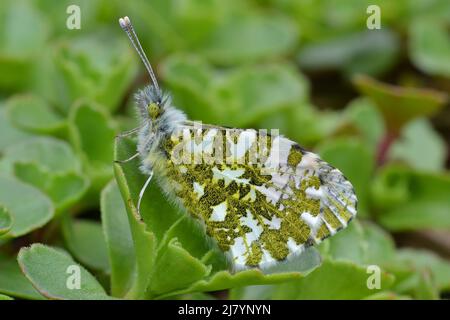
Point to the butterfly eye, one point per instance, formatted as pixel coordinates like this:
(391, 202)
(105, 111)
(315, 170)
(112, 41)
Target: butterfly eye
(153, 110)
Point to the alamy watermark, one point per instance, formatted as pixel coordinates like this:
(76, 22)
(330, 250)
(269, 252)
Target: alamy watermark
(73, 21)
(73, 281)
(373, 21)
(374, 280)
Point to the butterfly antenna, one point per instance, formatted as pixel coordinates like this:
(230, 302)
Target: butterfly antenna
(126, 25)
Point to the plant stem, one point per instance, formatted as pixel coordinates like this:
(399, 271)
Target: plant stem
(384, 146)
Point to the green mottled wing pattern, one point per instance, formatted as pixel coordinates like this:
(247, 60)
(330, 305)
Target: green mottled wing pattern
(260, 209)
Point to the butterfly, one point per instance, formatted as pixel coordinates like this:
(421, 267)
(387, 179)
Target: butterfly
(260, 196)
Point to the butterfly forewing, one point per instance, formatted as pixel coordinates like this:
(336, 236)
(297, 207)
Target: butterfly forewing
(262, 197)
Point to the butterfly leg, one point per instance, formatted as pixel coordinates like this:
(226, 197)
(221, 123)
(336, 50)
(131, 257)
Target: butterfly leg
(129, 159)
(128, 133)
(141, 193)
(132, 131)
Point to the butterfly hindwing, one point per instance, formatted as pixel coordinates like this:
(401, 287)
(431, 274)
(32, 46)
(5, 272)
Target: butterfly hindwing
(263, 198)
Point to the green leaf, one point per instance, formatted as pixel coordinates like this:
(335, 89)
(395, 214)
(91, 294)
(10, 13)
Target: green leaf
(24, 32)
(32, 113)
(50, 154)
(368, 52)
(194, 296)
(362, 243)
(322, 20)
(5, 220)
(86, 242)
(144, 240)
(426, 260)
(65, 189)
(154, 202)
(409, 200)
(343, 279)
(387, 295)
(415, 282)
(426, 289)
(26, 36)
(48, 270)
(175, 269)
(435, 9)
(190, 81)
(304, 124)
(50, 165)
(296, 268)
(9, 134)
(356, 161)
(222, 280)
(195, 20)
(363, 113)
(429, 46)
(3, 297)
(349, 244)
(13, 282)
(249, 37)
(92, 133)
(300, 268)
(192, 237)
(94, 10)
(99, 67)
(380, 247)
(119, 241)
(157, 18)
(400, 105)
(28, 207)
(254, 93)
(238, 97)
(417, 139)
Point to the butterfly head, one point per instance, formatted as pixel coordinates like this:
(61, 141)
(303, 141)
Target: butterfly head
(154, 110)
(152, 104)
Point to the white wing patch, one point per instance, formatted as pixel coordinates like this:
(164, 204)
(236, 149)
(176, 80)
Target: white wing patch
(229, 175)
(219, 212)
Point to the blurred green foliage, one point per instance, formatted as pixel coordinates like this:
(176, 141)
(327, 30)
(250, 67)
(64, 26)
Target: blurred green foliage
(65, 94)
